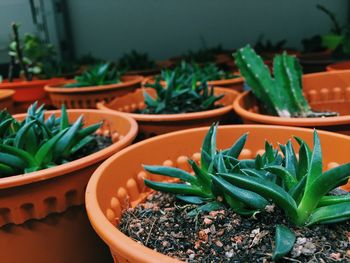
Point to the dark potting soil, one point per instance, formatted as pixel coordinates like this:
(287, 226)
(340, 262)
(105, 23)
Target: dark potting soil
(96, 145)
(161, 223)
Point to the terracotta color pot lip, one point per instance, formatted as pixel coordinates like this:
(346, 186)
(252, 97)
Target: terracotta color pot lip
(6, 93)
(334, 72)
(179, 116)
(307, 122)
(339, 66)
(20, 82)
(130, 80)
(111, 233)
(62, 169)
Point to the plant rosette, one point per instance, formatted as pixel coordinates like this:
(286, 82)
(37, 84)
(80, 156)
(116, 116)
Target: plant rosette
(110, 197)
(6, 99)
(326, 91)
(27, 92)
(44, 209)
(156, 124)
(87, 97)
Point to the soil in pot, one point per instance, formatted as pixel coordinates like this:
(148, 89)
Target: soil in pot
(162, 223)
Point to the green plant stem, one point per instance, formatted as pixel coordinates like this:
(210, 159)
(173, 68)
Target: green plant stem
(27, 75)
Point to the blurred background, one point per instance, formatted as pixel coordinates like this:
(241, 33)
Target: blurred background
(109, 28)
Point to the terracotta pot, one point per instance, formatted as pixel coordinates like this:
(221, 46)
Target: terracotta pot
(327, 91)
(107, 195)
(41, 213)
(344, 65)
(27, 92)
(6, 101)
(87, 97)
(155, 124)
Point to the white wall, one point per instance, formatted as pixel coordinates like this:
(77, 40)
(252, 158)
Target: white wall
(164, 28)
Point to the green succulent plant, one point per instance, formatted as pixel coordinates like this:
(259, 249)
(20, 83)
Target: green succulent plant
(136, 61)
(297, 186)
(35, 144)
(203, 55)
(179, 96)
(101, 74)
(280, 94)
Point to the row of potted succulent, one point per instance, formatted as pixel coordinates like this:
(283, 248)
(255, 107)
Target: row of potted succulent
(242, 181)
(23, 136)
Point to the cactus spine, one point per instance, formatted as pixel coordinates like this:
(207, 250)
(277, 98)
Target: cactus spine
(282, 94)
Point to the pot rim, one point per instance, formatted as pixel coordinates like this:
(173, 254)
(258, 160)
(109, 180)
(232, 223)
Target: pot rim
(179, 116)
(275, 120)
(130, 81)
(111, 234)
(335, 66)
(62, 169)
(6, 93)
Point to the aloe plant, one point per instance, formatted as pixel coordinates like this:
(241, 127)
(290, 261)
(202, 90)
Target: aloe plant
(280, 94)
(35, 144)
(180, 96)
(101, 74)
(136, 61)
(297, 186)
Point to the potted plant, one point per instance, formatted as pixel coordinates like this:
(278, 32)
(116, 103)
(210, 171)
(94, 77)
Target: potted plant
(267, 49)
(101, 82)
(322, 50)
(137, 63)
(37, 64)
(209, 73)
(46, 161)
(280, 99)
(179, 104)
(232, 208)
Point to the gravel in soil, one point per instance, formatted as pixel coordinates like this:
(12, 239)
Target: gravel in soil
(161, 223)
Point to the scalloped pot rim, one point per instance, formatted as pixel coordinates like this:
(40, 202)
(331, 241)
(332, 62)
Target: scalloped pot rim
(129, 81)
(179, 116)
(62, 169)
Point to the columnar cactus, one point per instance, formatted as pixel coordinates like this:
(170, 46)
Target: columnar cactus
(281, 94)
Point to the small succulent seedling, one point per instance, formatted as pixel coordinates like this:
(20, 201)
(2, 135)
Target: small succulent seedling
(180, 96)
(101, 74)
(280, 94)
(297, 186)
(136, 61)
(35, 57)
(35, 144)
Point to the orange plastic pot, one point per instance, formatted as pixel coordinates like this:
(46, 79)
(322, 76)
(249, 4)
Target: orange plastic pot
(42, 215)
(6, 101)
(326, 91)
(345, 65)
(107, 195)
(153, 124)
(87, 97)
(27, 92)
